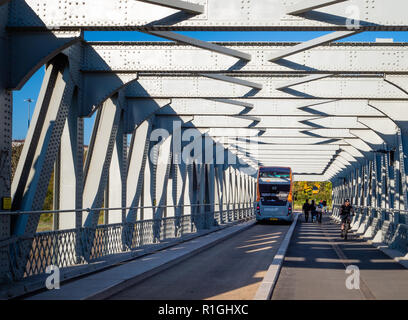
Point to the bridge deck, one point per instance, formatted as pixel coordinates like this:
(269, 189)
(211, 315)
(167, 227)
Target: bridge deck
(232, 269)
(316, 260)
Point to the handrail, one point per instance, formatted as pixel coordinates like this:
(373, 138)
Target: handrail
(375, 208)
(12, 213)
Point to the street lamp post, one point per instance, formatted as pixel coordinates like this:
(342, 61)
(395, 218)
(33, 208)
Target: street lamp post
(29, 100)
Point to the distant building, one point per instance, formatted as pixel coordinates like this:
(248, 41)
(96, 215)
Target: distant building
(17, 143)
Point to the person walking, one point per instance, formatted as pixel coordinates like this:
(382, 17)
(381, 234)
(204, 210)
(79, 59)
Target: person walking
(306, 209)
(319, 210)
(324, 206)
(313, 210)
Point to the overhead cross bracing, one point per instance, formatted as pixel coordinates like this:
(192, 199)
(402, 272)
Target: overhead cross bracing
(218, 15)
(337, 87)
(336, 58)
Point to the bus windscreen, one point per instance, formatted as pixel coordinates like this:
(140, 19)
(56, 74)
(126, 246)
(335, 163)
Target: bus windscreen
(274, 173)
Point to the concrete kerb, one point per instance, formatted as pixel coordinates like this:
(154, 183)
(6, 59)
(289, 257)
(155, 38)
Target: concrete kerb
(267, 286)
(105, 289)
(24, 288)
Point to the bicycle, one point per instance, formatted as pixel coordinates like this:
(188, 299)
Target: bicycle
(347, 227)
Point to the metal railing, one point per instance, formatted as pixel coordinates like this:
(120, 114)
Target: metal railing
(394, 215)
(83, 245)
(382, 225)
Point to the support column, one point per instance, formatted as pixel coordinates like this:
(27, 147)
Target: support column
(383, 186)
(96, 172)
(233, 194)
(211, 193)
(219, 173)
(398, 202)
(378, 177)
(99, 159)
(147, 198)
(182, 193)
(163, 155)
(5, 176)
(374, 195)
(227, 192)
(39, 153)
(366, 184)
(138, 155)
(403, 163)
(116, 186)
(68, 179)
(189, 191)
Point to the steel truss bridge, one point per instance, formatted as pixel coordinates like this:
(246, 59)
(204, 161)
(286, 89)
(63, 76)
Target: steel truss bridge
(331, 111)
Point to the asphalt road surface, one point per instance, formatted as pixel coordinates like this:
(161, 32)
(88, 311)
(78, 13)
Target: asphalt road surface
(233, 269)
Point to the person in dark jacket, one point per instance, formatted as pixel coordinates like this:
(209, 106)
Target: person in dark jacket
(319, 210)
(306, 209)
(346, 211)
(313, 210)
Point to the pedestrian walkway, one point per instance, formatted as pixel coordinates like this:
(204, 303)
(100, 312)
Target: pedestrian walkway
(316, 261)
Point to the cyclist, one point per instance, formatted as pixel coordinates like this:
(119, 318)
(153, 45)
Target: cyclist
(306, 209)
(346, 210)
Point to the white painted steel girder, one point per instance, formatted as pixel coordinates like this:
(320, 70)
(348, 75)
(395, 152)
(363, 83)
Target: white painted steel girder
(369, 136)
(296, 153)
(336, 35)
(233, 80)
(97, 88)
(311, 148)
(308, 5)
(272, 132)
(201, 44)
(288, 157)
(311, 177)
(99, 159)
(305, 79)
(218, 15)
(193, 8)
(395, 110)
(138, 110)
(329, 88)
(359, 144)
(297, 141)
(273, 107)
(44, 46)
(347, 156)
(158, 56)
(278, 122)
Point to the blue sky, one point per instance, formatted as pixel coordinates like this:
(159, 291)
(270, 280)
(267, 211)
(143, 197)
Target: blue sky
(32, 87)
